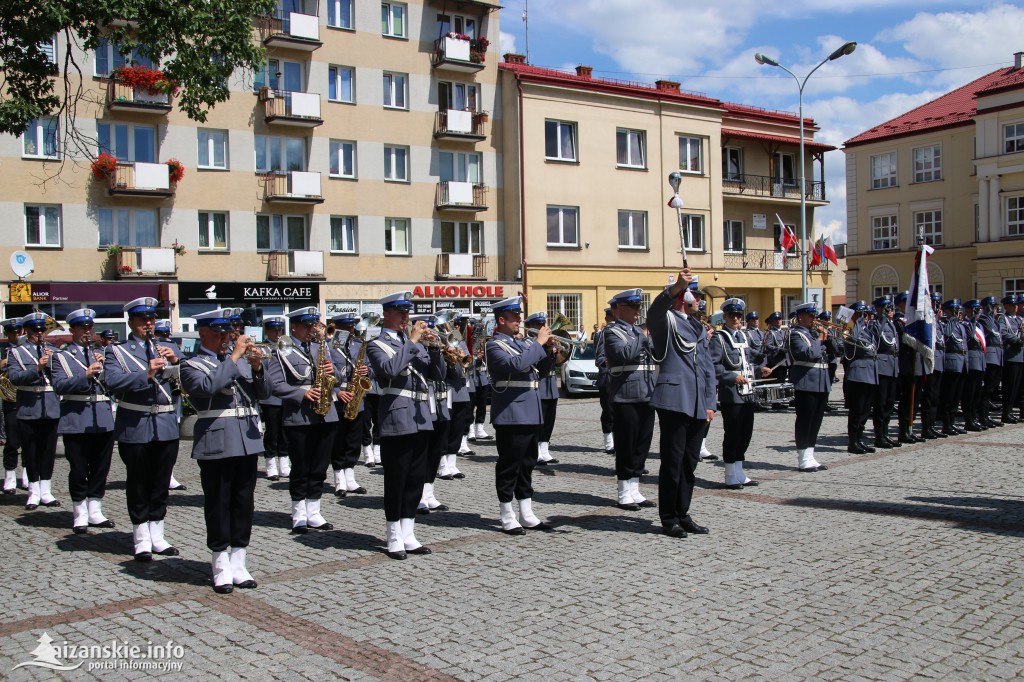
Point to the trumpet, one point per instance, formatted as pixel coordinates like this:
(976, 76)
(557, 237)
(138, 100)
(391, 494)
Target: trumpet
(264, 351)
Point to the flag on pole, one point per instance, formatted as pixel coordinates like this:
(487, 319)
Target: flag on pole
(919, 333)
(819, 251)
(787, 238)
(675, 201)
(828, 251)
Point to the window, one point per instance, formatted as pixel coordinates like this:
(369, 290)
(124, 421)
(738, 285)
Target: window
(42, 225)
(49, 49)
(886, 290)
(280, 154)
(40, 139)
(280, 233)
(691, 155)
(341, 84)
(785, 169)
(694, 225)
(1015, 216)
(935, 289)
(129, 227)
(461, 238)
(343, 234)
(460, 96)
(396, 236)
(396, 163)
(460, 167)
(568, 305)
(883, 170)
(632, 229)
(732, 163)
(778, 240)
(928, 164)
(733, 231)
(108, 58)
(1013, 138)
(563, 226)
(456, 23)
(280, 75)
(929, 223)
(213, 231)
(343, 159)
(1013, 286)
(213, 149)
(128, 142)
(560, 140)
(884, 233)
(395, 90)
(339, 13)
(392, 19)
(629, 148)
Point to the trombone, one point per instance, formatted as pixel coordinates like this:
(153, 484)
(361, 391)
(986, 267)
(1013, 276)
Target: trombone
(560, 334)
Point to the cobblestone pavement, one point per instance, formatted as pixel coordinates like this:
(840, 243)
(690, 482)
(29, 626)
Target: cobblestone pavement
(897, 565)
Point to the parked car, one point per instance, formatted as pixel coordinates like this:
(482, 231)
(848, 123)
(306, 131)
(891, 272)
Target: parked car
(579, 373)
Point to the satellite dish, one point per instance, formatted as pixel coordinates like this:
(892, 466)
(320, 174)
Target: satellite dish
(22, 264)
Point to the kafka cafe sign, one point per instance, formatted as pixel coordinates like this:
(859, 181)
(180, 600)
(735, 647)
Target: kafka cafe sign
(256, 292)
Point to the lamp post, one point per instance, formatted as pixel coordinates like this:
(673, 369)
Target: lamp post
(763, 59)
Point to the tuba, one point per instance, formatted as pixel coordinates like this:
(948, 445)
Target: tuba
(360, 385)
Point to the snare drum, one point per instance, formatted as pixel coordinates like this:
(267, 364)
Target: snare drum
(769, 394)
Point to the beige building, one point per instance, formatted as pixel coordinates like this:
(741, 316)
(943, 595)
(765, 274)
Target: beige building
(951, 174)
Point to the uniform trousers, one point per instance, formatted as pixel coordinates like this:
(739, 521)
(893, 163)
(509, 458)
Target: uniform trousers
(229, 484)
(930, 394)
(148, 468)
(274, 443)
(993, 374)
(39, 447)
(13, 444)
(88, 455)
(481, 396)
(517, 458)
(810, 409)
(348, 440)
(371, 425)
(681, 435)
(607, 417)
(634, 429)
(548, 413)
(405, 467)
(971, 395)
(1012, 372)
(310, 446)
(738, 423)
(883, 402)
(949, 396)
(858, 402)
(461, 415)
(438, 447)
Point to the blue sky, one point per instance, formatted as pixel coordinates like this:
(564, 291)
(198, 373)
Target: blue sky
(909, 52)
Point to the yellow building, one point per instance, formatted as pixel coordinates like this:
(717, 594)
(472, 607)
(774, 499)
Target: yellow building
(951, 174)
(586, 164)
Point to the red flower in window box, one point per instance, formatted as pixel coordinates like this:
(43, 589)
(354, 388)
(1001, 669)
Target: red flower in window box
(176, 170)
(126, 269)
(104, 166)
(152, 81)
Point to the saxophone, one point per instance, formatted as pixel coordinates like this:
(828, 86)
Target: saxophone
(359, 385)
(323, 381)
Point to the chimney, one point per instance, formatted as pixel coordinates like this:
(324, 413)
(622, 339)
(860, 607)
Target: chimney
(513, 58)
(1018, 57)
(667, 86)
(585, 71)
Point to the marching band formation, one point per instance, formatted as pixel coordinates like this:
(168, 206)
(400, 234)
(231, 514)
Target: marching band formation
(410, 393)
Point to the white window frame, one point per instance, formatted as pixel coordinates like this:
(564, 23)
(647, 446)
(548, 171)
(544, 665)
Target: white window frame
(348, 228)
(562, 212)
(884, 170)
(1013, 285)
(694, 226)
(283, 221)
(336, 146)
(208, 138)
(727, 154)
(392, 226)
(885, 232)
(457, 23)
(206, 224)
(281, 142)
(624, 148)
(335, 10)
(275, 73)
(1013, 138)
(112, 215)
(396, 85)
(41, 221)
(779, 174)
(463, 231)
(115, 59)
(49, 47)
(686, 145)
(448, 94)
(928, 169)
(561, 129)
(730, 228)
(131, 155)
(568, 305)
(38, 133)
(1013, 215)
(388, 11)
(392, 171)
(931, 219)
(884, 290)
(628, 219)
(464, 167)
(336, 81)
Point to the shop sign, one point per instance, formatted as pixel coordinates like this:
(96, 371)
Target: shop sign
(249, 292)
(459, 291)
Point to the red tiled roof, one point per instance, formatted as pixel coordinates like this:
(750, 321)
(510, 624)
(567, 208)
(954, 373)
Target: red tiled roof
(809, 144)
(953, 109)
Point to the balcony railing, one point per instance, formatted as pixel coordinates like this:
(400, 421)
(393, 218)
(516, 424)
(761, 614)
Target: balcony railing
(121, 97)
(291, 30)
(461, 266)
(456, 124)
(461, 196)
(767, 186)
(141, 180)
(291, 108)
(456, 54)
(143, 262)
(296, 187)
(295, 265)
(766, 259)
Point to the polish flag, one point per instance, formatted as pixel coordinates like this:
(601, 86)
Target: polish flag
(828, 251)
(787, 238)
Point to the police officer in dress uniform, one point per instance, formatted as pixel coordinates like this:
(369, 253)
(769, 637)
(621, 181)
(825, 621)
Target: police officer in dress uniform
(139, 372)
(775, 350)
(993, 359)
(931, 384)
(481, 395)
(548, 389)
(1010, 330)
(684, 398)
(808, 371)
(349, 437)
(630, 383)
(225, 391)
(607, 418)
(458, 385)
(12, 444)
(162, 331)
(38, 408)
(975, 377)
(275, 446)
(888, 366)
(86, 421)
(437, 458)
(954, 362)
(516, 411)
(861, 380)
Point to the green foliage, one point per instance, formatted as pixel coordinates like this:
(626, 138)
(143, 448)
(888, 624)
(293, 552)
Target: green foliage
(198, 44)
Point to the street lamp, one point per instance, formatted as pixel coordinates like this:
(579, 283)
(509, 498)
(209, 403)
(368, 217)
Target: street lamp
(763, 59)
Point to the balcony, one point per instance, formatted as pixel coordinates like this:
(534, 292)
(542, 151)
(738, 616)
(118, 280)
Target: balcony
(145, 263)
(457, 54)
(295, 265)
(121, 97)
(297, 109)
(293, 187)
(292, 31)
(461, 266)
(765, 186)
(141, 180)
(459, 125)
(461, 196)
(766, 259)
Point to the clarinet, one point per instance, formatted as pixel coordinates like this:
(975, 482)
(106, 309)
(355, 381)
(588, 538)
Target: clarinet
(89, 359)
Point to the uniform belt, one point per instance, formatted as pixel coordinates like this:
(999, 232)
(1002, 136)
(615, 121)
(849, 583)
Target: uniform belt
(815, 365)
(520, 384)
(405, 393)
(230, 412)
(634, 368)
(151, 409)
(86, 398)
(34, 389)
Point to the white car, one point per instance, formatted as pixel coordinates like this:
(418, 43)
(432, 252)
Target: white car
(579, 373)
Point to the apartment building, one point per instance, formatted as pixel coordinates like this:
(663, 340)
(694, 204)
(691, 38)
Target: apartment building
(362, 158)
(950, 174)
(586, 162)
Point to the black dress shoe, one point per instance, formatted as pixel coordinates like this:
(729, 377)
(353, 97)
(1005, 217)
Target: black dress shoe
(675, 531)
(543, 525)
(168, 551)
(322, 526)
(30, 507)
(422, 511)
(370, 465)
(143, 556)
(959, 430)
(458, 475)
(907, 438)
(340, 492)
(647, 504)
(628, 506)
(446, 477)
(81, 530)
(708, 458)
(273, 478)
(971, 426)
(646, 472)
(52, 503)
(733, 486)
(990, 422)
(358, 491)
(610, 452)
(518, 530)
(9, 491)
(102, 524)
(422, 549)
(224, 589)
(940, 434)
(928, 435)
(1007, 419)
(246, 585)
(855, 448)
(867, 448)
(811, 470)
(542, 463)
(178, 487)
(400, 555)
(300, 530)
(552, 461)
(690, 526)
(884, 444)
(893, 442)
(440, 507)
(751, 483)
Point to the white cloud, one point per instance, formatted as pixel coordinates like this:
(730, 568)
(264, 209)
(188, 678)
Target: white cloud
(506, 43)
